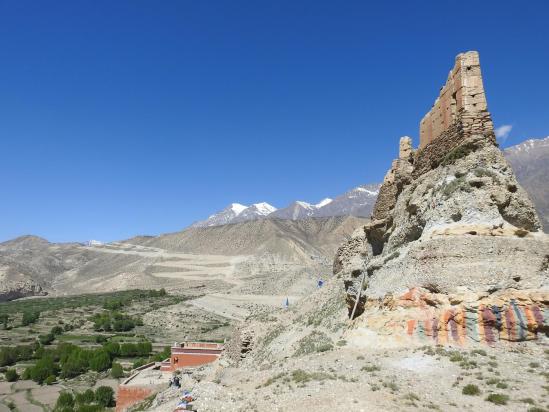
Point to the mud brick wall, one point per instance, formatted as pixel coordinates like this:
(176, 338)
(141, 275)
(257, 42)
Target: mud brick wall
(463, 92)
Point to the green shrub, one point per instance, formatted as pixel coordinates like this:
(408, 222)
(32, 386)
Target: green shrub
(85, 397)
(456, 357)
(43, 368)
(370, 368)
(457, 184)
(314, 342)
(470, 390)
(117, 371)
(56, 330)
(480, 172)
(12, 354)
(104, 396)
(50, 380)
(11, 375)
(138, 363)
(100, 339)
(160, 356)
(498, 398)
(26, 373)
(455, 154)
(64, 401)
(113, 348)
(100, 361)
(46, 339)
(30, 317)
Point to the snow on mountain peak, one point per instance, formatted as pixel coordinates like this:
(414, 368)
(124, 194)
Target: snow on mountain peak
(356, 202)
(237, 208)
(324, 202)
(263, 208)
(303, 204)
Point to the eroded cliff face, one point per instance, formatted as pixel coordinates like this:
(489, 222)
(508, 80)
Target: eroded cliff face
(450, 220)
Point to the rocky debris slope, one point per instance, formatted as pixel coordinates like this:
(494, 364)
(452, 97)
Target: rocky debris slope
(28, 265)
(530, 161)
(297, 241)
(450, 220)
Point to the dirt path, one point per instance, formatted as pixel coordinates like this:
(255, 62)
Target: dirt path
(238, 307)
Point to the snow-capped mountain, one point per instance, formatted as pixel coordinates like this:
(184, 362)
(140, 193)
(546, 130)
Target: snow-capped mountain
(255, 211)
(297, 210)
(235, 213)
(324, 202)
(356, 202)
(222, 217)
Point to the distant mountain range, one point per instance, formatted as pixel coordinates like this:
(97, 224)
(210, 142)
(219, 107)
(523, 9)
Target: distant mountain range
(530, 161)
(356, 202)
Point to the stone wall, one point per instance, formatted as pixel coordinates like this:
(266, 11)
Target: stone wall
(462, 93)
(397, 176)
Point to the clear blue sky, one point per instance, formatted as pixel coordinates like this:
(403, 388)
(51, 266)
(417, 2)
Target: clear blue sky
(120, 118)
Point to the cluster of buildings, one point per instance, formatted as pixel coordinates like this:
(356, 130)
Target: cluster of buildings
(155, 376)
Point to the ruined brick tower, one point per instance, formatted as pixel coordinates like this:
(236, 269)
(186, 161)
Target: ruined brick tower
(461, 103)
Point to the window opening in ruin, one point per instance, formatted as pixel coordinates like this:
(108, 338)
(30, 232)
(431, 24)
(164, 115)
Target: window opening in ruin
(453, 105)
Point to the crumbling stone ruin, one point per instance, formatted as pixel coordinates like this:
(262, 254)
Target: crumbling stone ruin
(461, 102)
(451, 224)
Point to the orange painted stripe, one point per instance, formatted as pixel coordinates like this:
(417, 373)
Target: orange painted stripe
(411, 327)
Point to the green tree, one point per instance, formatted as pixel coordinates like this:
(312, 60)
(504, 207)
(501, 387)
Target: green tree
(46, 339)
(100, 360)
(117, 371)
(113, 349)
(29, 318)
(144, 348)
(8, 356)
(85, 397)
(56, 330)
(24, 352)
(27, 373)
(139, 362)
(43, 368)
(104, 396)
(65, 402)
(11, 375)
(128, 350)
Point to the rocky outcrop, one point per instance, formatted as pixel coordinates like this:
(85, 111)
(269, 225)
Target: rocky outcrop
(11, 289)
(450, 217)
